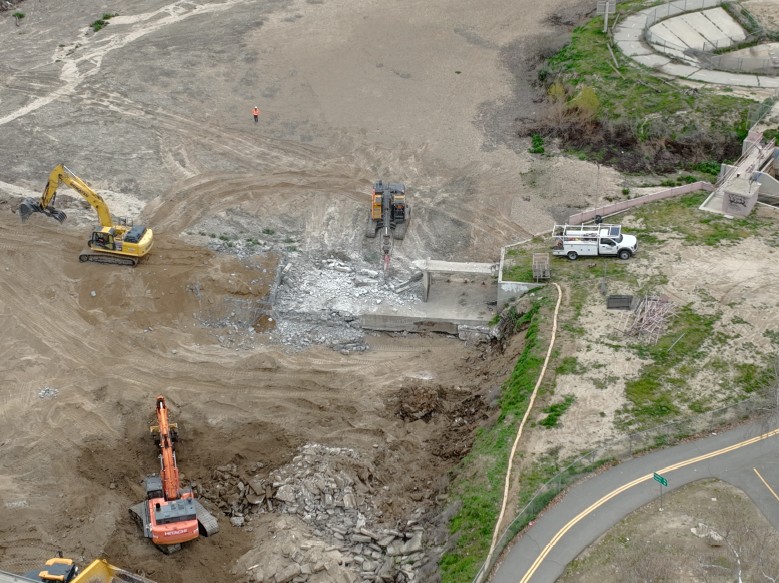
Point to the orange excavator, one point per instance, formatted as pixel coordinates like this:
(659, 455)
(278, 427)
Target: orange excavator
(170, 515)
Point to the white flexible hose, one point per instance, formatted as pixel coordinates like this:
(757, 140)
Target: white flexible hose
(519, 434)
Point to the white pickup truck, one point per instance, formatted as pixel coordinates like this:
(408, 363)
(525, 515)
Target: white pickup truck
(574, 241)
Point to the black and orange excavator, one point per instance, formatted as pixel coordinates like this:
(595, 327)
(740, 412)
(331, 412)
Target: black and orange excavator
(170, 515)
(389, 212)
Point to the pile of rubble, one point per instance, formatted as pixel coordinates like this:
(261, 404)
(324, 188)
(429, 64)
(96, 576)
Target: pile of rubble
(319, 302)
(328, 489)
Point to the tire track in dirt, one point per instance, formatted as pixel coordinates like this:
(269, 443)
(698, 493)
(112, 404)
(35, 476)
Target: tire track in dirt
(77, 69)
(284, 154)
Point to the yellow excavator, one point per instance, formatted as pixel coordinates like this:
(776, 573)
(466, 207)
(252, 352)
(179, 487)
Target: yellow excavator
(120, 243)
(66, 571)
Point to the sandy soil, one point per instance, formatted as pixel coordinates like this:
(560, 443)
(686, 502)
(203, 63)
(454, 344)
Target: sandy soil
(154, 112)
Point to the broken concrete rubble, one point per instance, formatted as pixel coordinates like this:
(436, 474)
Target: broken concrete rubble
(330, 490)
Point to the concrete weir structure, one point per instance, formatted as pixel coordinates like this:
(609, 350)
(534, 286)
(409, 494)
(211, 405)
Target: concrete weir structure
(458, 298)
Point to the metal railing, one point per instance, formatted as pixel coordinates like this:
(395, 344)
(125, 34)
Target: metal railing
(705, 55)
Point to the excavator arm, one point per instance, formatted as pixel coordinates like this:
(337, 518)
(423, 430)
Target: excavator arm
(59, 175)
(169, 471)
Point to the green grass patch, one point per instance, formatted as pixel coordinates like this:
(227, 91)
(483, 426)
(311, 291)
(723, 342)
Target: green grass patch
(537, 146)
(680, 217)
(480, 489)
(753, 377)
(102, 22)
(555, 411)
(650, 394)
(569, 365)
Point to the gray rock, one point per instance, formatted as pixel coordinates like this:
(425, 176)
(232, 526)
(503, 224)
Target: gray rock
(288, 573)
(285, 493)
(413, 545)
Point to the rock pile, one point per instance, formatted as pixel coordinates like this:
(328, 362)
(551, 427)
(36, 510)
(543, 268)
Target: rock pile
(48, 393)
(319, 301)
(329, 489)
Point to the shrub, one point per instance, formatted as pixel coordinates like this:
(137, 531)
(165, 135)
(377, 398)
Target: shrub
(538, 144)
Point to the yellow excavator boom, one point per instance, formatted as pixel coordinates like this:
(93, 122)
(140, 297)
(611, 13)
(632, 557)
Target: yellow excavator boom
(101, 572)
(97, 572)
(61, 174)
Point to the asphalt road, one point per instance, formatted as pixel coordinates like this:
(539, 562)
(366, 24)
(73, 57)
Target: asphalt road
(745, 457)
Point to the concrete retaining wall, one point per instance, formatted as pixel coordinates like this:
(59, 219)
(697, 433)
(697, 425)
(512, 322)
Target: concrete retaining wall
(511, 290)
(768, 184)
(618, 207)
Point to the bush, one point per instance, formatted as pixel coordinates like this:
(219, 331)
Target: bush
(102, 22)
(18, 15)
(538, 144)
(710, 167)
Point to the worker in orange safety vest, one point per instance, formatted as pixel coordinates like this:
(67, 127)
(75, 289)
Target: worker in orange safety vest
(256, 114)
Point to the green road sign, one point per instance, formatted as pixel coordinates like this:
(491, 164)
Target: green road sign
(661, 479)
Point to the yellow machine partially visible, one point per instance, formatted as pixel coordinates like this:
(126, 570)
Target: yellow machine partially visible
(121, 243)
(66, 571)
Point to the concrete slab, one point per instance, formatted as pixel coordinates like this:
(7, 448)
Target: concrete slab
(726, 24)
(725, 78)
(698, 22)
(677, 54)
(686, 36)
(679, 70)
(634, 24)
(653, 61)
(628, 36)
(460, 301)
(768, 51)
(472, 268)
(635, 48)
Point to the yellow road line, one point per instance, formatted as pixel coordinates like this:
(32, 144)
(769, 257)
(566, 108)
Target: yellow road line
(770, 489)
(595, 505)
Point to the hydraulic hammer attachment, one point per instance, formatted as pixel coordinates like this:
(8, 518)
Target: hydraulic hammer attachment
(30, 206)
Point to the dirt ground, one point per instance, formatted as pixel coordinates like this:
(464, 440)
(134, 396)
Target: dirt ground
(154, 112)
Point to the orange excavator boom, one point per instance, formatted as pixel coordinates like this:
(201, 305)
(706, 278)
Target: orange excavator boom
(169, 471)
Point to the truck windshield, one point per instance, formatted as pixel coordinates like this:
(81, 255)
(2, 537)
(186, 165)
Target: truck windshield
(618, 239)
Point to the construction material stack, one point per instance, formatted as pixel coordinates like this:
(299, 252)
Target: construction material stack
(389, 213)
(170, 515)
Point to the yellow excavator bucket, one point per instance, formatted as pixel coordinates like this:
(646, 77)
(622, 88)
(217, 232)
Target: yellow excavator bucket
(101, 572)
